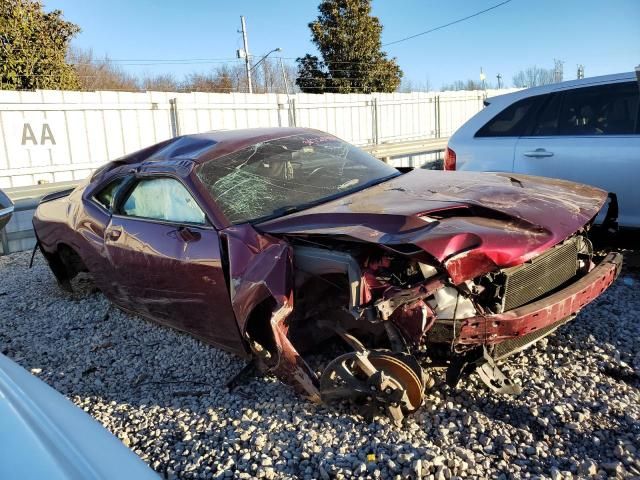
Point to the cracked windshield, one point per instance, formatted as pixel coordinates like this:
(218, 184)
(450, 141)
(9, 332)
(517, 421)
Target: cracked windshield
(281, 176)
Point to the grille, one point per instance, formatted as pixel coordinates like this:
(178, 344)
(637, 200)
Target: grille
(515, 345)
(543, 274)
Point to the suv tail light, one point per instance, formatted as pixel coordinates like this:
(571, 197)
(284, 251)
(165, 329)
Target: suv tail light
(449, 159)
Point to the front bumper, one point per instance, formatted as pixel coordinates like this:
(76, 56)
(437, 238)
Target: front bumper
(524, 320)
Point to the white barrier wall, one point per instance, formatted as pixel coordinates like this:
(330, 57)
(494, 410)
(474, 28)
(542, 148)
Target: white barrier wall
(54, 136)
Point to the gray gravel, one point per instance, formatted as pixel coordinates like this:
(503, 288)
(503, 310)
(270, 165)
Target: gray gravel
(162, 393)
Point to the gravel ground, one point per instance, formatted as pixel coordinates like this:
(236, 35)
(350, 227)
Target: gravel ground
(162, 393)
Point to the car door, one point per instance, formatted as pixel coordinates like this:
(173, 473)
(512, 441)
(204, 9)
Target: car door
(95, 218)
(494, 144)
(589, 135)
(166, 261)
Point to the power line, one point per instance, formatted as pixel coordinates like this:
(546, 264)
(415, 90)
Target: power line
(200, 61)
(230, 59)
(162, 60)
(350, 62)
(195, 61)
(150, 63)
(189, 61)
(440, 27)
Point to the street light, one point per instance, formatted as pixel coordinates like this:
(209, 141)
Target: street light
(264, 58)
(242, 53)
(258, 63)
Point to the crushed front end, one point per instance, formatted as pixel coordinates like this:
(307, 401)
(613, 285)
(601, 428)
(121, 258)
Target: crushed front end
(409, 290)
(401, 315)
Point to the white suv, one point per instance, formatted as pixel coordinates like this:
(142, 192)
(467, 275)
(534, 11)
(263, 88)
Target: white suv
(584, 130)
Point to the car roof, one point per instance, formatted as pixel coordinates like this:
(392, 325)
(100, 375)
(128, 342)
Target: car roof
(567, 85)
(204, 147)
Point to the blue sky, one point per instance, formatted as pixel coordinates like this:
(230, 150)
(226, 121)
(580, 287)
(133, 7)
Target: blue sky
(602, 35)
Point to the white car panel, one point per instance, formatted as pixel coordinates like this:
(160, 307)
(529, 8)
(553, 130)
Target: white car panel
(488, 154)
(611, 162)
(45, 436)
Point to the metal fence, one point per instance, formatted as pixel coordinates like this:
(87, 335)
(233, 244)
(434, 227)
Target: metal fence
(54, 136)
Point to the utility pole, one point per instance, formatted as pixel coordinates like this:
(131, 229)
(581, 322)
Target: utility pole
(284, 78)
(247, 60)
(499, 77)
(580, 74)
(558, 74)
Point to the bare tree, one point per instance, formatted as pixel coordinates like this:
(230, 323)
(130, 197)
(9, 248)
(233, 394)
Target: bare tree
(219, 80)
(534, 76)
(558, 70)
(465, 85)
(268, 76)
(102, 74)
(408, 86)
(238, 78)
(99, 73)
(164, 82)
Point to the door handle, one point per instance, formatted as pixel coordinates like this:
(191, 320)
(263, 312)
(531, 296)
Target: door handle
(538, 153)
(188, 235)
(114, 234)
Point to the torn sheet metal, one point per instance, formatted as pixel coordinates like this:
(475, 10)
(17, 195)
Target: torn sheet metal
(260, 269)
(492, 329)
(447, 213)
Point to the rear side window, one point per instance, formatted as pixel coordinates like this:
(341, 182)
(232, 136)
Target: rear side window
(105, 196)
(512, 121)
(547, 120)
(162, 199)
(602, 110)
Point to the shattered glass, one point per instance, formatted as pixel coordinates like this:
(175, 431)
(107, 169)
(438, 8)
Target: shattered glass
(278, 176)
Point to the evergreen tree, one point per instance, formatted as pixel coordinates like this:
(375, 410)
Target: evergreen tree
(348, 39)
(33, 47)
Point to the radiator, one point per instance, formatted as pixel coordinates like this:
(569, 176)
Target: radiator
(539, 276)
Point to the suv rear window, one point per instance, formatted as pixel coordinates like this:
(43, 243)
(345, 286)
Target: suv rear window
(547, 120)
(601, 110)
(510, 122)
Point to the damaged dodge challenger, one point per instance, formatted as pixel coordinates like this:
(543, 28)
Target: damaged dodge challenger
(270, 243)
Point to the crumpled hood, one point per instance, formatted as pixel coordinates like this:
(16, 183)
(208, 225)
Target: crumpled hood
(497, 219)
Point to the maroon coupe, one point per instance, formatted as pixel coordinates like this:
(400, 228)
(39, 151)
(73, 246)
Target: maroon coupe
(268, 242)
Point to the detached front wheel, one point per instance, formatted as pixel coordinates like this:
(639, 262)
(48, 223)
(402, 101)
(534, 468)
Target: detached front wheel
(376, 382)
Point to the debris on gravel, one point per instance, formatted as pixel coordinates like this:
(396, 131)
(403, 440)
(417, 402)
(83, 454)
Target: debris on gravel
(163, 394)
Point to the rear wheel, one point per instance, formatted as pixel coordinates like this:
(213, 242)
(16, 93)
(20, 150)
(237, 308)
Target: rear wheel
(65, 264)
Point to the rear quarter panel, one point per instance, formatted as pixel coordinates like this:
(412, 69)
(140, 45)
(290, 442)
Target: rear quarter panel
(51, 223)
(493, 154)
(69, 221)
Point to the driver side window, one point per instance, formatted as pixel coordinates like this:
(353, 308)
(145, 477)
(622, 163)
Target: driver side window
(106, 196)
(162, 199)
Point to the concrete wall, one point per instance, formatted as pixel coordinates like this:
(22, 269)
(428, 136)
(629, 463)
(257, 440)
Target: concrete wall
(55, 136)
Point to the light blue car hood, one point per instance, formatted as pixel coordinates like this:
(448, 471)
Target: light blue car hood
(43, 435)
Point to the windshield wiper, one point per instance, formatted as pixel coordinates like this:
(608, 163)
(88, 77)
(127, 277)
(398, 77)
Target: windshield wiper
(289, 209)
(374, 182)
(285, 210)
